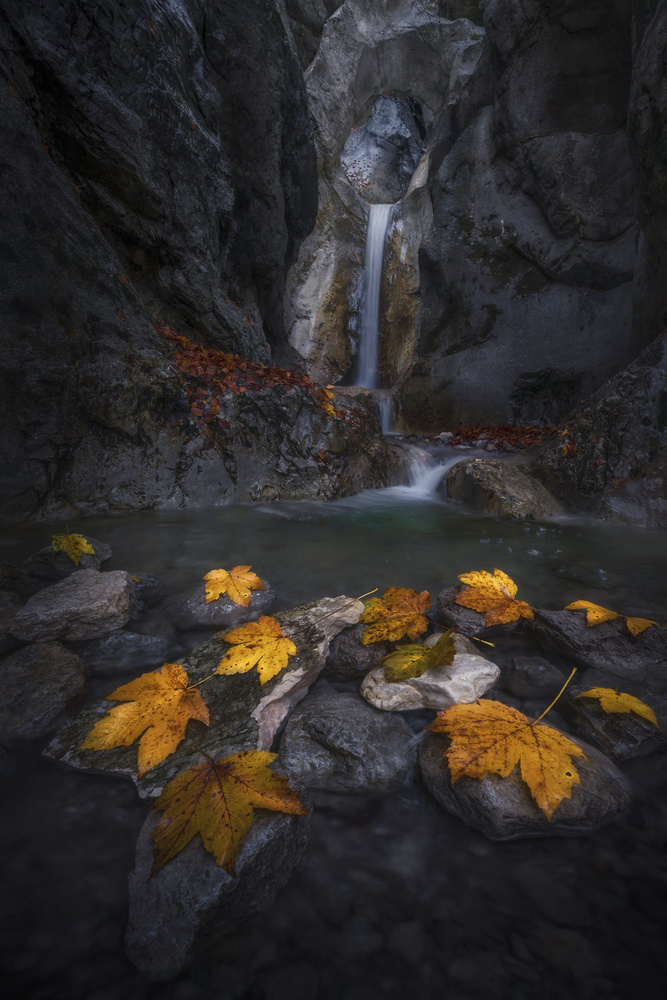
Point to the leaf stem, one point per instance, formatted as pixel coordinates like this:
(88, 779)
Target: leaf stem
(354, 601)
(574, 670)
(202, 681)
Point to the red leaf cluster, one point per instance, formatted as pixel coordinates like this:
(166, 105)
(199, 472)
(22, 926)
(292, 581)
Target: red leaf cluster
(219, 373)
(505, 438)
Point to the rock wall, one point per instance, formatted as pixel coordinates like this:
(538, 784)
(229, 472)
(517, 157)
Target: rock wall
(151, 174)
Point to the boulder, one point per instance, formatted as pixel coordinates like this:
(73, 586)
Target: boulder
(244, 715)
(608, 647)
(335, 741)
(46, 566)
(349, 659)
(183, 911)
(222, 613)
(9, 606)
(503, 809)
(532, 677)
(125, 652)
(623, 735)
(36, 685)
(85, 605)
(499, 488)
(466, 680)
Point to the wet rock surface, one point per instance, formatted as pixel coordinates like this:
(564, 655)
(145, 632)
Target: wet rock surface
(335, 741)
(244, 714)
(500, 489)
(222, 613)
(467, 679)
(46, 566)
(532, 677)
(36, 685)
(349, 658)
(125, 652)
(9, 606)
(502, 808)
(85, 605)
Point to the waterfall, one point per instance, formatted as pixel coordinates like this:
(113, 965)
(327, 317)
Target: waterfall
(367, 367)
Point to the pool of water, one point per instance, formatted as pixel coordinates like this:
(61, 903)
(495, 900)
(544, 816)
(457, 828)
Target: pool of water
(393, 896)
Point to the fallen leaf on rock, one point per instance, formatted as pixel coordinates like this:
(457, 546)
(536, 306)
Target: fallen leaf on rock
(159, 705)
(595, 615)
(237, 584)
(73, 546)
(615, 701)
(259, 643)
(413, 661)
(491, 738)
(397, 613)
(493, 594)
(216, 800)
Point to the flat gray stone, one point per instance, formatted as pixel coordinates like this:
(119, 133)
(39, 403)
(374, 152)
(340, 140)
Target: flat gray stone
(503, 808)
(85, 605)
(125, 652)
(244, 715)
(222, 613)
(466, 680)
(335, 741)
(36, 684)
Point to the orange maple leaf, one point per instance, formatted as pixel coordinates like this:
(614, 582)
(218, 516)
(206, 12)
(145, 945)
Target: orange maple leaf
(259, 643)
(216, 800)
(492, 593)
(595, 615)
(237, 584)
(491, 738)
(397, 613)
(159, 706)
(615, 701)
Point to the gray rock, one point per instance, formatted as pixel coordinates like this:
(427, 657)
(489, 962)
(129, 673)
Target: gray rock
(503, 809)
(36, 685)
(46, 566)
(348, 658)
(147, 590)
(307, 19)
(125, 652)
(466, 680)
(501, 489)
(608, 647)
(453, 615)
(532, 677)
(335, 741)
(85, 605)
(244, 715)
(622, 736)
(196, 613)
(9, 606)
(190, 904)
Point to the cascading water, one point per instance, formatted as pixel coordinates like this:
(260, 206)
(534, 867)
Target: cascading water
(367, 366)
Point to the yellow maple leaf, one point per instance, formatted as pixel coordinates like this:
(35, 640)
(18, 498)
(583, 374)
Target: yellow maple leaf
(491, 738)
(494, 595)
(260, 643)
(237, 584)
(413, 661)
(159, 706)
(216, 800)
(397, 613)
(73, 546)
(595, 615)
(614, 701)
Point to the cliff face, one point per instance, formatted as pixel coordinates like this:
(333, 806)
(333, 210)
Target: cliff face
(158, 168)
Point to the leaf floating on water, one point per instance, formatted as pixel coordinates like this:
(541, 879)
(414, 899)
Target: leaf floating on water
(237, 584)
(413, 661)
(397, 613)
(614, 701)
(73, 546)
(160, 705)
(491, 738)
(259, 643)
(216, 800)
(494, 595)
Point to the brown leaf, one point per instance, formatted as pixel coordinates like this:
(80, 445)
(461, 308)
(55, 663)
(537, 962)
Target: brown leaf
(494, 594)
(397, 613)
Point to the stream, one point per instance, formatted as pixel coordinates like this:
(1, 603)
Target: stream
(393, 897)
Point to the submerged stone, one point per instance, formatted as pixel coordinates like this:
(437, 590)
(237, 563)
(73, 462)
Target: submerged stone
(36, 685)
(124, 652)
(466, 680)
(85, 605)
(503, 808)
